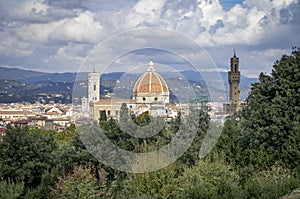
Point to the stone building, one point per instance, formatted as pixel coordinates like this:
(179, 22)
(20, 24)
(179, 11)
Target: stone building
(93, 86)
(150, 93)
(234, 77)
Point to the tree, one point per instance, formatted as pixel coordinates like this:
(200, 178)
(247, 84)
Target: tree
(26, 154)
(103, 117)
(227, 144)
(270, 120)
(10, 189)
(82, 183)
(142, 119)
(192, 154)
(66, 136)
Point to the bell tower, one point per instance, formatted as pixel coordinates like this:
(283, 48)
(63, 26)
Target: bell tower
(93, 86)
(234, 76)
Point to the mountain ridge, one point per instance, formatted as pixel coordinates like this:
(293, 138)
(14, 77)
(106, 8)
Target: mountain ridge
(109, 79)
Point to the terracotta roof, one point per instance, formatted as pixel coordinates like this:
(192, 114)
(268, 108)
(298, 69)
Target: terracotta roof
(171, 106)
(150, 82)
(61, 119)
(143, 106)
(114, 101)
(13, 112)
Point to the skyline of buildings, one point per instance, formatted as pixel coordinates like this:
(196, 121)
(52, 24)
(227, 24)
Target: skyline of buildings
(149, 94)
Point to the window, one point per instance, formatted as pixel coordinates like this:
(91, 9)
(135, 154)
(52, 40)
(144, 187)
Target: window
(108, 112)
(116, 113)
(235, 67)
(144, 99)
(94, 87)
(155, 99)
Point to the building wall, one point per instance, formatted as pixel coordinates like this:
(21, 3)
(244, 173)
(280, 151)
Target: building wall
(234, 93)
(154, 98)
(111, 107)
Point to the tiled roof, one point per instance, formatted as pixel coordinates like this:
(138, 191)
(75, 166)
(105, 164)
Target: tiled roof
(150, 82)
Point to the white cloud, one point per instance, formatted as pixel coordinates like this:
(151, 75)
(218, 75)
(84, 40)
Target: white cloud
(28, 10)
(145, 12)
(212, 12)
(80, 29)
(254, 26)
(70, 52)
(11, 46)
(37, 33)
(35, 11)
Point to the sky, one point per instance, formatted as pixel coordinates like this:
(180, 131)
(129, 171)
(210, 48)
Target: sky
(59, 35)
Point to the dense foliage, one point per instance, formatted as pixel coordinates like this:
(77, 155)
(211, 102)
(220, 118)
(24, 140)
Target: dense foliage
(267, 130)
(257, 154)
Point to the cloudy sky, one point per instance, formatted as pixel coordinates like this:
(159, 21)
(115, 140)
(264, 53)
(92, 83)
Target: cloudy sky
(58, 35)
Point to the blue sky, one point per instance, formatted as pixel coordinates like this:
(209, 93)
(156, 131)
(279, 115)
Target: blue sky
(227, 4)
(58, 35)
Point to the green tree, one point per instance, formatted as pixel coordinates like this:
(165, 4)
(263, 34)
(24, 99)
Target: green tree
(191, 156)
(228, 146)
(142, 119)
(103, 117)
(270, 183)
(10, 189)
(66, 136)
(26, 155)
(81, 183)
(270, 119)
(208, 180)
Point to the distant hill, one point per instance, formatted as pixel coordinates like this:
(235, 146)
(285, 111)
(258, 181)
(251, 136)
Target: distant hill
(109, 81)
(18, 74)
(12, 91)
(28, 76)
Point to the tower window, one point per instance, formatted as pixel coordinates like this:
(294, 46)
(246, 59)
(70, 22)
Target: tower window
(144, 99)
(94, 87)
(235, 68)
